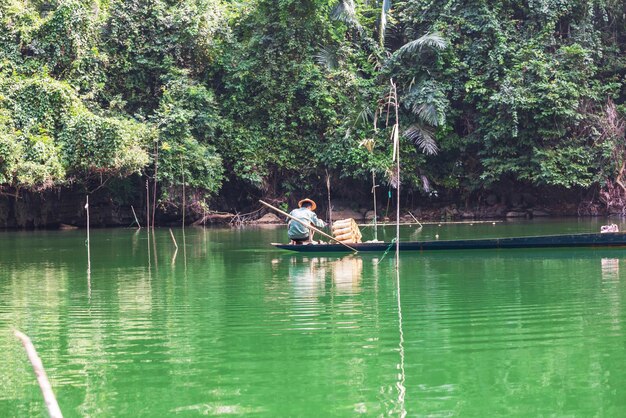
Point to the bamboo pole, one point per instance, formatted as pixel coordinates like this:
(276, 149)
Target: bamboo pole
(330, 209)
(88, 252)
(418, 222)
(182, 168)
(44, 384)
(148, 205)
(173, 239)
(185, 252)
(135, 215)
(149, 250)
(402, 375)
(87, 209)
(311, 227)
(88, 242)
(156, 169)
(175, 245)
(154, 249)
(396, 157)
(375, 214)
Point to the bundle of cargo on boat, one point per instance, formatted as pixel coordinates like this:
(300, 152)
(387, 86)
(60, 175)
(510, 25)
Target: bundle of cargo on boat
(346, 231)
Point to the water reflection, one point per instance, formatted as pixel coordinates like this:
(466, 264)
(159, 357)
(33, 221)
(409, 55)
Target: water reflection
(347, 274)
(610, 268)
(310, 275)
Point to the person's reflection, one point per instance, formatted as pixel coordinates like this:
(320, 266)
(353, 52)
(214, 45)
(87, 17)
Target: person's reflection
(307, 276)
(610, 269)
(346, 273)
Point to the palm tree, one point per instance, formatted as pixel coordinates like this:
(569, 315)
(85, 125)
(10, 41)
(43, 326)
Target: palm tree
(421, 96)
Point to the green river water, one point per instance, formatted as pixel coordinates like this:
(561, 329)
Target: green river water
(230, 326)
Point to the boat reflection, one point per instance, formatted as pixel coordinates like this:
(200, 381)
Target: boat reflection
(314, 276)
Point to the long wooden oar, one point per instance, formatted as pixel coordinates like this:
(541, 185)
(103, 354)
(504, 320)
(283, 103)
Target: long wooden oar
(44, 384)
(311, 227)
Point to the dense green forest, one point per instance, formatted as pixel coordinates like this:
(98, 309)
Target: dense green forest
(266, 98)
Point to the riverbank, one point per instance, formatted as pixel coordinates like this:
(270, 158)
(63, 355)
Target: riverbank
(65, 208)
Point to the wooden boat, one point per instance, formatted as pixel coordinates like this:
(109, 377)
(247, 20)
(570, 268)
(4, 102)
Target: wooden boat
(616, 239)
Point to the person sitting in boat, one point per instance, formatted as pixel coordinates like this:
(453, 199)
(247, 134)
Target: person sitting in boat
(299, 233)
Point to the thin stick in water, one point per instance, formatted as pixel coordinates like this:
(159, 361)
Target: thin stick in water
(156, 169)
(173, 239)
(175, 245)
(395, 137)
(148, 205)
(135, 215)
(375, 214)
(330, 208)
(182, 169)
(88, 242)
(154, 250)
(44, 384)
(418, 222)
(402, 376)
(185, 252)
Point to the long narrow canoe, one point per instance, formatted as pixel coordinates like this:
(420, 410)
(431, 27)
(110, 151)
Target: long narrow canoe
(615, 239)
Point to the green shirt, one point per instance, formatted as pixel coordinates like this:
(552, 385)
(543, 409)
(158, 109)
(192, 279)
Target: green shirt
(296, 229)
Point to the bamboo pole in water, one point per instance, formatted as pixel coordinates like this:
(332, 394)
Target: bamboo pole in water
(44, 384)
(183, 173)
(375, 214)
(330, 209)
(175, 245)
(88, 242)
(402, 375)
(88, 252)
(154, 193)
(185, 252)
(396, 157)
(135, 215)
(173, 239)
(87, 208)
(414, 218)
(148, 205)
(154, 249)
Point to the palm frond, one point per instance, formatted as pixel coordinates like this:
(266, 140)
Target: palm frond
(423, 137)
(364, 116)
(430, 40)
(345, 11)
(328, 57)
(427, 100)
(426, 112)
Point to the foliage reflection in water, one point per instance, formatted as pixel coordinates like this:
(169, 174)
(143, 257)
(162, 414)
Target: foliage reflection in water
(228, 325)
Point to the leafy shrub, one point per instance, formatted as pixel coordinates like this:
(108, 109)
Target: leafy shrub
(99, 145)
